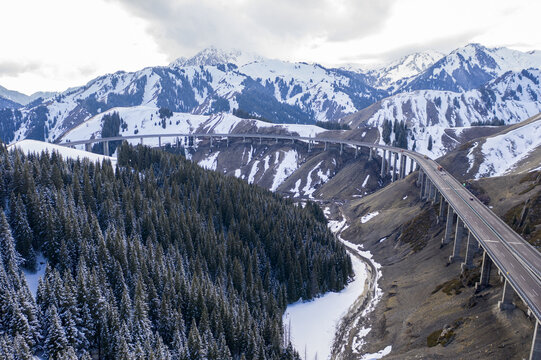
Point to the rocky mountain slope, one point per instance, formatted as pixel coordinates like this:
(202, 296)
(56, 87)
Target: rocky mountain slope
(442, 116)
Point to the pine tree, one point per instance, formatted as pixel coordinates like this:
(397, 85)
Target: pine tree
(56, 342)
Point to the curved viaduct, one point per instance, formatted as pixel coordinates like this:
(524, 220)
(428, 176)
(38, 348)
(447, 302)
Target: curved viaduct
(518, 263)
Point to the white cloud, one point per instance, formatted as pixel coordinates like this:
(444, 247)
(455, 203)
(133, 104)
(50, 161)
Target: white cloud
(55, 44)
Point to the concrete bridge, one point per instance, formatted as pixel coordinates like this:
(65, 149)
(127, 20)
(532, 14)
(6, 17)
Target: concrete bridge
(517, 262)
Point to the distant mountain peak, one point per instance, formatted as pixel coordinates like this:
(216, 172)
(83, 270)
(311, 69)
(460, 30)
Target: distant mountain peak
(212, 56)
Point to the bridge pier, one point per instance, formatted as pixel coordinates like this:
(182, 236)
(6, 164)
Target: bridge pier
(411, 165)
(341, 148)
(357, 150)
(88, 147)
(382, 172)
(227, 141)
(141, 140)
(506, 303)
(325, 146)
(441, 214)
(471, 248)
(403, 167)
(211, 141)
(389, 155)
(428, 184)
(459, 232)
(420, 178)
(448, 226)
(394, 166)
(486, 266)
(106, 148)
(159, 142)
(370, 156)
(535, 352)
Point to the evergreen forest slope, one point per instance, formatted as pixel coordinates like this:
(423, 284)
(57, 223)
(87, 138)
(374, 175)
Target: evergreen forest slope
(157, 258)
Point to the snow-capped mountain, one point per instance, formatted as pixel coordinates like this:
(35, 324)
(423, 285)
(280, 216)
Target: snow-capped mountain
(432, 114)
(470, 67)
(278, 91)
(397, 73)
(213, 56)
(22, 99)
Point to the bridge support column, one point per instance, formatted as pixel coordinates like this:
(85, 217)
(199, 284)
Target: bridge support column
(276, 140)
(357, 150)
(411, 165)
(434, 194)
(441, 215)
(325, 146)
(470, 251)
(211, 141)
(404, 172)
(160, 142)
(535, 352)
(428, 184)
(389, 155)
(106, 148)
(448, 226)
(420, 178)
(88, 147)
(394, 166)
(486, 266)
(459, 232)
(259, 140)
(383, 163)
(227, 141)
(421, 185)
(506, 303)
(141, 140)
(371, 156)
(341, 148)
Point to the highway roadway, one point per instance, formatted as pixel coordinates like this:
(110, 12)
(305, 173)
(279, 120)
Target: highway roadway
(518, 261)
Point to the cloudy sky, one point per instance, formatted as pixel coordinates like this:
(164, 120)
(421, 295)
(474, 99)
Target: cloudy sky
(56, 44)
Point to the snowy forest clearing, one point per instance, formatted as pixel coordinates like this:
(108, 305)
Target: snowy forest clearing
(32, 278)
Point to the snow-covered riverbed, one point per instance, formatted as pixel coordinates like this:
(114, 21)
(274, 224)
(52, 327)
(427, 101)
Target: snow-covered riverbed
(313, 323)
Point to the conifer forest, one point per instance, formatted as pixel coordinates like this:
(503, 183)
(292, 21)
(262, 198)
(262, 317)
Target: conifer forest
(153, 259)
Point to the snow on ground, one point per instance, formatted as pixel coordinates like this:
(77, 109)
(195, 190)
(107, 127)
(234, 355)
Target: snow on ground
(295, 190)
(144, 120)
(34, 146)
(369, 216)
(501, 153)
(286, 167)
(210, 162)
(379, 354)
(32, 279)
(365, 180)
(253, 172)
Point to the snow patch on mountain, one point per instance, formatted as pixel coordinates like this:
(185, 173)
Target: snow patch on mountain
(38, 147)
(211, 162)
(144, 120)
(501, 153)
(287, 163)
